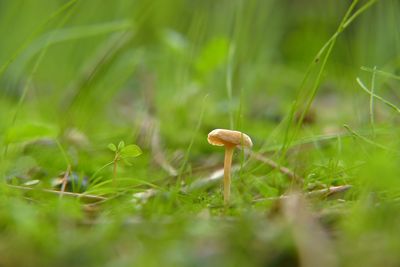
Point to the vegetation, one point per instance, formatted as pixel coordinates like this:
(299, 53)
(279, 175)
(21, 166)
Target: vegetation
(105, 107)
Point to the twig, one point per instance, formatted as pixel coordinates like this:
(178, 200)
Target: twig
(326, 192)
(71, 194)
(65, 180)
(330, 191)
(275, 165)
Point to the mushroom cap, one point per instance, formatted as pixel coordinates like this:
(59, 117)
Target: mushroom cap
(223, 137)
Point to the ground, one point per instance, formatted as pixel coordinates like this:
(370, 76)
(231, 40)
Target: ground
(105, 110)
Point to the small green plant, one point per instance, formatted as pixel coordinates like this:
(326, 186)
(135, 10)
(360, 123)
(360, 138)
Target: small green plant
(123, 153)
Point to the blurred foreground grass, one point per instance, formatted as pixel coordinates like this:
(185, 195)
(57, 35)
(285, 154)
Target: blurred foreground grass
(79, 75)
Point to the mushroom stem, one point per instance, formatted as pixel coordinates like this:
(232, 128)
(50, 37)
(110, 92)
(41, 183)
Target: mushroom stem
(227, 173)
(230, 139)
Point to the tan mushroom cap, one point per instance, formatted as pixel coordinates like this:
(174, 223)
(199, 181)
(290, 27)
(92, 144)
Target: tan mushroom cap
(223, 137)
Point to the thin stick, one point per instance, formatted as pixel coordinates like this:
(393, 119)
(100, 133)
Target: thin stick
(65, 180)
(71, 194)
(275, 165)
(330, 191)
(327, 192)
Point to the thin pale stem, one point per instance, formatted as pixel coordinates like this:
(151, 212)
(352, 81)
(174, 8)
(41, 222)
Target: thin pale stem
(227, 173)
(65, 180)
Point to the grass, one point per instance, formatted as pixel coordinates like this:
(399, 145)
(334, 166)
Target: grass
(312, 83)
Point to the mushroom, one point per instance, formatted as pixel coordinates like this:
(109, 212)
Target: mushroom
(230, 139)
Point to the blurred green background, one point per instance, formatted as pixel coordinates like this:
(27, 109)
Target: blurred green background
(78, 75)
